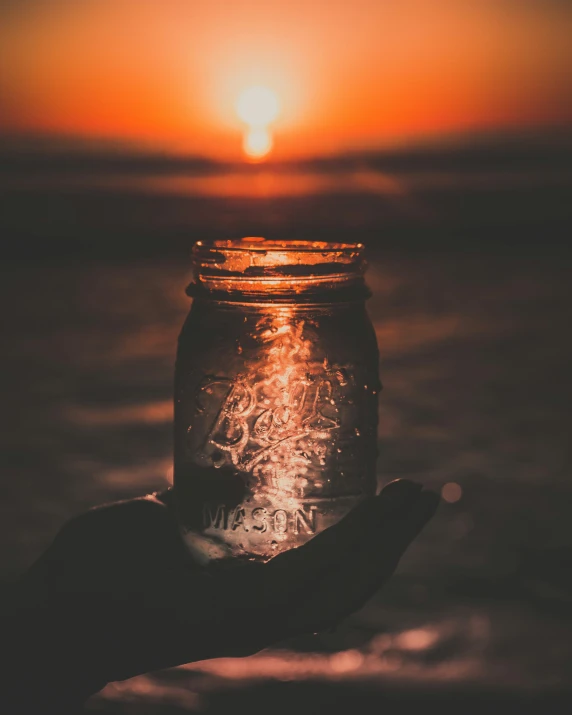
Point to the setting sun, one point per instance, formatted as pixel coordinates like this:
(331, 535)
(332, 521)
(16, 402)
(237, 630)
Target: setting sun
(257, 107)
(197, 77)
(257, 142)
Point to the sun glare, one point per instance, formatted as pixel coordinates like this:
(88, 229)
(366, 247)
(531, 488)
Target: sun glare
(257, 107)
(257, 143)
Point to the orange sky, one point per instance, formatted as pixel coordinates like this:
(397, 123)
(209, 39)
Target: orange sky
(349, 74)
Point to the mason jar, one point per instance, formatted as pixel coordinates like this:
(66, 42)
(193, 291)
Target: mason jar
(276, 391)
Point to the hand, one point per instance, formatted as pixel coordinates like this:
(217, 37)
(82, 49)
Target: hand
(117, 594)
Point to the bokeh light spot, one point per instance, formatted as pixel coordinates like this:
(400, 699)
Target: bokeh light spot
(417, 639)
(451, 492)
(346, 661)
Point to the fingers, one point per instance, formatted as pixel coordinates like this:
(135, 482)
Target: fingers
(396, 527)
(290, 578)
(336, 543)
(353, 579)
(421, 513)
(379, 556)
(398, 495)
(165, 497)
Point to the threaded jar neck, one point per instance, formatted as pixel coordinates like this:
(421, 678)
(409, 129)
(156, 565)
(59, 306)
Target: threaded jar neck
(258, 270)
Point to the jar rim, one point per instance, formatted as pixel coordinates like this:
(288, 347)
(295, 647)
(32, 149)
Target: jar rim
(269, 269)
(253, 255)
(261, 244)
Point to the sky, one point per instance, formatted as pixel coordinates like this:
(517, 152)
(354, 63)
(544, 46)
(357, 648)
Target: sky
(348, 75)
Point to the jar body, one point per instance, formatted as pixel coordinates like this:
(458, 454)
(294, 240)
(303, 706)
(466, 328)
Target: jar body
(275, 423)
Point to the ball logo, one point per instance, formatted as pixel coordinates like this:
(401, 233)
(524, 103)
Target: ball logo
(272, 425)
(275, 421)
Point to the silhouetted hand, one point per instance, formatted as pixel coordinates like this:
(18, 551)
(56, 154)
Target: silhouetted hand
(117, 594)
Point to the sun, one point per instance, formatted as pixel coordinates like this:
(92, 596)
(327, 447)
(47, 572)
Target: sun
(257, 107)
(257, 143)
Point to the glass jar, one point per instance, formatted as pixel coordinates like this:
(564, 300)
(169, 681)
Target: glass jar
(275, 396)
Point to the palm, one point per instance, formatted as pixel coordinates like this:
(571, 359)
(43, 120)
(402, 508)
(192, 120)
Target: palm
(123, 573)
